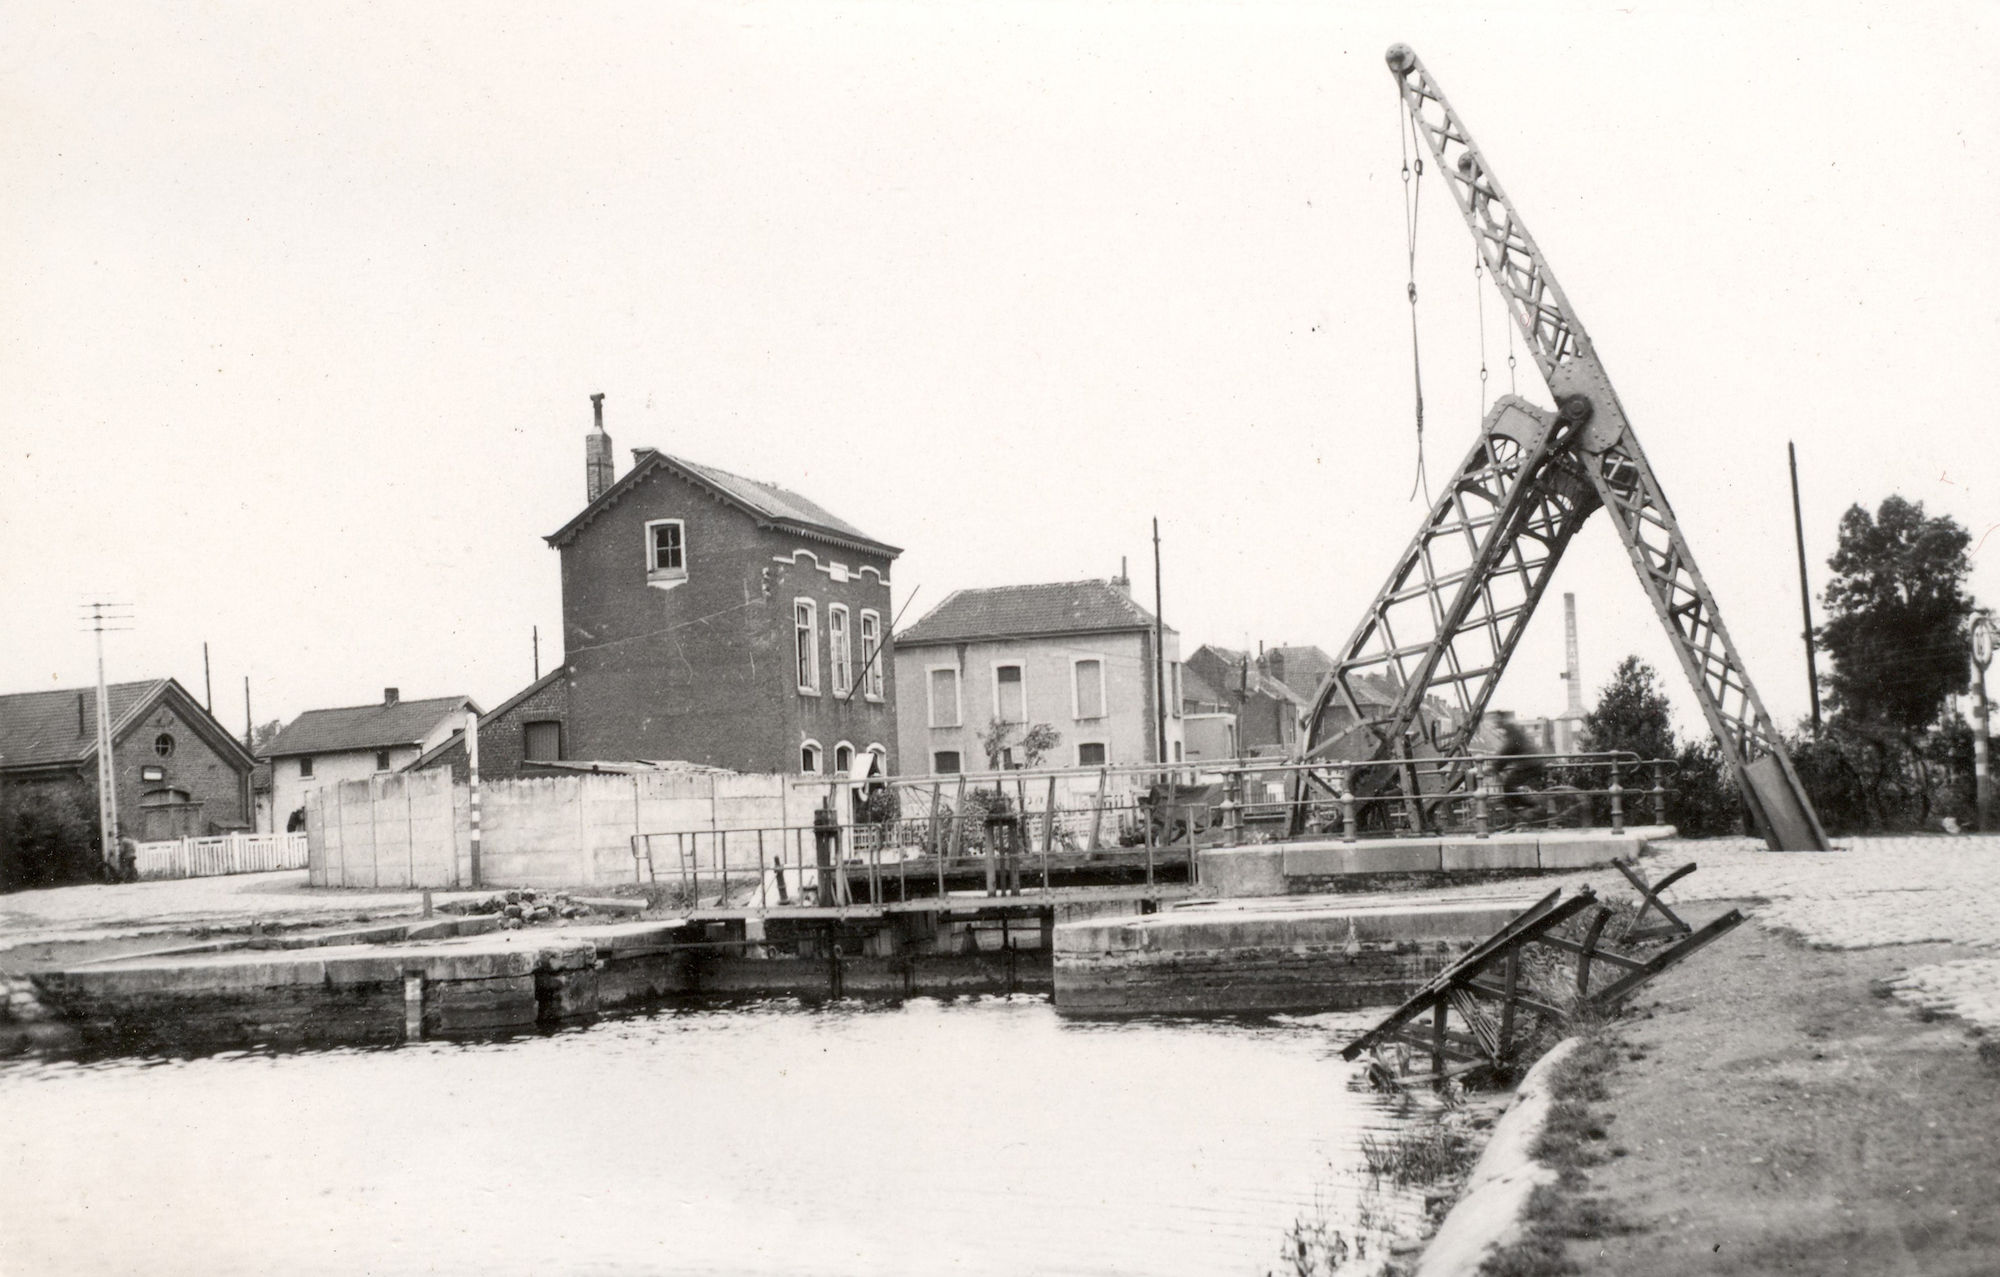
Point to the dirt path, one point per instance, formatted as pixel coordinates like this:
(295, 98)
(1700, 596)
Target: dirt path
(1773, 1111)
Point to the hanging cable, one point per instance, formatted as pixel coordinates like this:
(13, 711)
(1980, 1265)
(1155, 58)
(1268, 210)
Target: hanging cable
(1413, 186)
(1479, 296)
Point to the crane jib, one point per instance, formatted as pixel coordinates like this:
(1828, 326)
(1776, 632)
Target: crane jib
(1470, 580)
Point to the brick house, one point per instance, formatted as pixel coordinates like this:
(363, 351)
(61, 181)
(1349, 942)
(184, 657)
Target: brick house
(179, 772)
(323, 746)
(1077, 655)
(707, 618)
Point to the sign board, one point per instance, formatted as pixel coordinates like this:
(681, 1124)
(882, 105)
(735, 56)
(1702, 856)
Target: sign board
(1982, 642)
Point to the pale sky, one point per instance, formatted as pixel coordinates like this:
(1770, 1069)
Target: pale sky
(303, 304)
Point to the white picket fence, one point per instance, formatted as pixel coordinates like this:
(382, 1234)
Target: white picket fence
(227, 854)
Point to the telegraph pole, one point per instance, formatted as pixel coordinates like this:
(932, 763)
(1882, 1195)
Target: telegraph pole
(107, 771)
(1159, 649)
(1805, 590)
(1982, 723)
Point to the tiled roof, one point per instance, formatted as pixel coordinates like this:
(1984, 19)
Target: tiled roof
(327, 731)
(1021, 611)
(41, 727)
(764, 500)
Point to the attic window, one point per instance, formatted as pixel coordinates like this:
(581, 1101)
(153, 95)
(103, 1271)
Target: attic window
(381, 760)
(666, 552)
(163, 745)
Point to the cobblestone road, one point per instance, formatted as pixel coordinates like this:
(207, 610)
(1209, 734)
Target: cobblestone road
(1870, 892)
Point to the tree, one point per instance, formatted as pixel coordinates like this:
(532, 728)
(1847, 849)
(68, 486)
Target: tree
(1632, 713)
(262, 736)
(1897, 614)
(1035, 743)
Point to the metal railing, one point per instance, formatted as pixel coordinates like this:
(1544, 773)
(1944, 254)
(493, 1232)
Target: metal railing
(899, 837)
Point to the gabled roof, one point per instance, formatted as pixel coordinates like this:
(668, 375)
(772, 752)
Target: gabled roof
(443, 747)
(1028, 611)
(769, 504)
(39, 729)
(329, 731)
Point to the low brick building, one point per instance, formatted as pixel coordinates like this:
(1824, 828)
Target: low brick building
(526, 729)
(180, 773)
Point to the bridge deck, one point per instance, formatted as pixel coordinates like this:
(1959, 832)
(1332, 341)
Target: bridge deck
(1027, 901)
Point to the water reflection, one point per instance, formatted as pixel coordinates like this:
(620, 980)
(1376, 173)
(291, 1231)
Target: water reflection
(975, 1136)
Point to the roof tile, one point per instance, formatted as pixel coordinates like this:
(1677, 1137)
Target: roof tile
(1021, 611)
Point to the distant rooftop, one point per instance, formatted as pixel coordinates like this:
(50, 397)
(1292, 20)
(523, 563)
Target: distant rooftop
(1026, 611)
(377, 726)
(765, 501)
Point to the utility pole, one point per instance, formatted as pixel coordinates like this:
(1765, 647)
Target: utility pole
(249, 723)
(536, 638)
(207, 683)
(472, 776)
(1159, 648)
(107, 771)
(1982, 723)
(1805, 590)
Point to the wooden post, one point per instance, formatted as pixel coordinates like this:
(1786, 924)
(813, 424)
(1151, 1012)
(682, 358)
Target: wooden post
(1097, 808)
(1350, 815)
(1438, 1013)
(1049, 821)
(1513, 980)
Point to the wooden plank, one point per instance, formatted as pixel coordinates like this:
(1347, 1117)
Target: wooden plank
(1620, 988)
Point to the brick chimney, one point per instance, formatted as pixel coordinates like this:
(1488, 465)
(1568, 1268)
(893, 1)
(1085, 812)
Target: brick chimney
(1123, 580)
(597, 466)
(390, 696)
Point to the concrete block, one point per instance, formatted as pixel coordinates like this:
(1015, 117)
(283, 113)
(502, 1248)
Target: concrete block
(1501, 851)
(1584, 849)
(1243, 871)
(1415, 855)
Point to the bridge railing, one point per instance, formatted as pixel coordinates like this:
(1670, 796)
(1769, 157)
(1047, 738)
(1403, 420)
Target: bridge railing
(1038, 827)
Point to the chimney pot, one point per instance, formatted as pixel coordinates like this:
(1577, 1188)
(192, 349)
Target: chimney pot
(597, 464)
(390, 696)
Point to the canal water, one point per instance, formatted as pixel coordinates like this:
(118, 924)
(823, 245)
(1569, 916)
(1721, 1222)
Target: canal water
(971, 1136)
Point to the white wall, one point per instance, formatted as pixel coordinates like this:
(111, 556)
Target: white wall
(1048, 664)
(289, 789)
(415, 828)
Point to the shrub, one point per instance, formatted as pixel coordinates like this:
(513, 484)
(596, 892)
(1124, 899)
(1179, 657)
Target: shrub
(51, 836)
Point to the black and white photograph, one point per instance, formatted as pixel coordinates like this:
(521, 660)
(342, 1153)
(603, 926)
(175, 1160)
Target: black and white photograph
(1193, 638)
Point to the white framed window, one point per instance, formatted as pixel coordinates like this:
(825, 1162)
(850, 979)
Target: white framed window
(843, 759)
(1087, 690)
(1090, 753)
(666, 552)
(872, 677)
(944, 696)
(809, 756)
(305, 768)
(1010, 693)
(805, 644)
(945, 763)
(840, 651)
(881, 764)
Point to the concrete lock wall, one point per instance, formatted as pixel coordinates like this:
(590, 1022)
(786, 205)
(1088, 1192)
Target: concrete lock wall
(414, 829)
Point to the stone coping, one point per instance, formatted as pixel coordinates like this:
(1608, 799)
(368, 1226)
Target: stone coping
(1323, 921)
